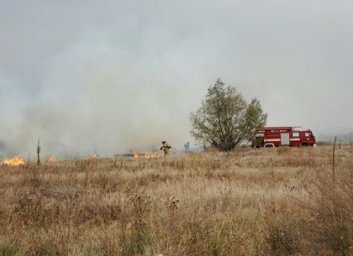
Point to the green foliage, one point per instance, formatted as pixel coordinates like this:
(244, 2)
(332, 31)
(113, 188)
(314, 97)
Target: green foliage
(225, 119)
(137, 242)
(280, 239)
(6, 250)
(138, 237)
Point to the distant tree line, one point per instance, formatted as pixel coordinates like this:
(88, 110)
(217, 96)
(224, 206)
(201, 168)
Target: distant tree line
(341, 137)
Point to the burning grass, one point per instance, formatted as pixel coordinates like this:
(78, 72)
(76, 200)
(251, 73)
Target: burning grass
(15, 161)
(248, 202)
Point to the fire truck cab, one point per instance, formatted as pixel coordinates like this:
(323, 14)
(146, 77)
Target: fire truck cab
(283, 136)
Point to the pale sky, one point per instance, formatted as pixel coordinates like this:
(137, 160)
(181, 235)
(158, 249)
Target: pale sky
(110, 76)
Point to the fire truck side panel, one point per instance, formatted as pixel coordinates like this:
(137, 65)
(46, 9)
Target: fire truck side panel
(283, 136)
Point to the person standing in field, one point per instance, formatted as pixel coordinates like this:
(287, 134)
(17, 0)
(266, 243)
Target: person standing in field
(165, 147)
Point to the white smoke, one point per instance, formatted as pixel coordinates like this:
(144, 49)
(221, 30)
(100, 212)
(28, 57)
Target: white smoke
(96, 98)
(120, 75)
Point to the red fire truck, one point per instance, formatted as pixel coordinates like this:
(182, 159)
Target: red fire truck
(283, 136)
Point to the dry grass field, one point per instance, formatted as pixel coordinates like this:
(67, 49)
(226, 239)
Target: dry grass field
(282, 201)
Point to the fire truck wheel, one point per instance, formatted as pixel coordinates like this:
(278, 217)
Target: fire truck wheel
(269, 145)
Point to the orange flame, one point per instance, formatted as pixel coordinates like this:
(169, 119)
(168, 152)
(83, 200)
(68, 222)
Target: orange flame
(146, 155)
(15, 161)
(152, 154)
(52, 159)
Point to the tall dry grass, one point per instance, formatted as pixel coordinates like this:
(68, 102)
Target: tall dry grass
(250, 202)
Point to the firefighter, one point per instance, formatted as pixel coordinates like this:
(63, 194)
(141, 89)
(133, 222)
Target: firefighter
(165, 147)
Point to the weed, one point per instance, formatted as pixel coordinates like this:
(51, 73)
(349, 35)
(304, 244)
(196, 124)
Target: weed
(6, 250)
(246, 202)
